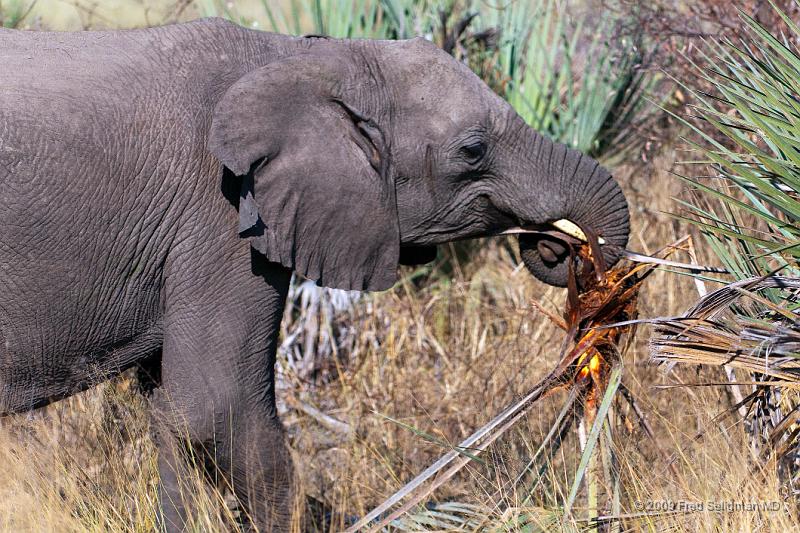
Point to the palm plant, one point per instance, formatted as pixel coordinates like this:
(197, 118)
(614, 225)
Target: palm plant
(748, 210)
(568, 80)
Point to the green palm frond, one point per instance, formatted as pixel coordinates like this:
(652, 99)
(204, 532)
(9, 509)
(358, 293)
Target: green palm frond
(568, 81)
(751, 135)
(748, 210)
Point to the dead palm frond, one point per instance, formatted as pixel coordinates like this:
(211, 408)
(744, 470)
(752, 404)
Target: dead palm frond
(316, 328)
(736, 326)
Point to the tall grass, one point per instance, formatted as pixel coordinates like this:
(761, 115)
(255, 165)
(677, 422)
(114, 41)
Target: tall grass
(441, 362)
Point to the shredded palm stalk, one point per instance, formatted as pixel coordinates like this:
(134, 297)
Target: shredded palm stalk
(600, 315)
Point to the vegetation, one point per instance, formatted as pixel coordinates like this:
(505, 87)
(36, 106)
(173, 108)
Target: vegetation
(374, 392)
(13, 12)
(748, 211)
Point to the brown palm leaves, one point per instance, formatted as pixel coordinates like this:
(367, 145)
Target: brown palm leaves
(740, 326)
(750, 325)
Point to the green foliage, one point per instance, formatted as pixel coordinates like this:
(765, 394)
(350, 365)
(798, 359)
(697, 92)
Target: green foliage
(347, 19)
(572, 78)
(14, 12)
(751, 218)
(372, 19)
(748, 211)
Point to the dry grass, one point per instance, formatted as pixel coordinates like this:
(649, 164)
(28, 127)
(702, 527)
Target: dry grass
(83, 464)
(443, 359)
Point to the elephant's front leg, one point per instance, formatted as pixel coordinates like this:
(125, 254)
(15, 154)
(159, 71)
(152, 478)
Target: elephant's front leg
(218, 390)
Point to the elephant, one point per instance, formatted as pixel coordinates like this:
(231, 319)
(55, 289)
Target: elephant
(159, 186)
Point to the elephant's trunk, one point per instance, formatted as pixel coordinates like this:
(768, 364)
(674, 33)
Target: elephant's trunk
(574, 187)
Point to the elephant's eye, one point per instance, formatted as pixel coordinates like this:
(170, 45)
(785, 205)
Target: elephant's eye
(474, 151)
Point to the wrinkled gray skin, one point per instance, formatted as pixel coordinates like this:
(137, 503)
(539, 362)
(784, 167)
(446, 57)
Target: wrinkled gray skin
(157, 188)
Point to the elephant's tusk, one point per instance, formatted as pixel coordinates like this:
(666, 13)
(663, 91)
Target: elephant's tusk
(572, 229)
(564, 226)
(517, 231)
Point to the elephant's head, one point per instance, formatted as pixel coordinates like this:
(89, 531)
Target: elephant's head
(355, 155)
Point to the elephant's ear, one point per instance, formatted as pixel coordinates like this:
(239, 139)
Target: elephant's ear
(315, 194)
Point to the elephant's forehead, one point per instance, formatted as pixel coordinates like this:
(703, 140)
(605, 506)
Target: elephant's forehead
(444, 74)
(444, 96)
(426, 71)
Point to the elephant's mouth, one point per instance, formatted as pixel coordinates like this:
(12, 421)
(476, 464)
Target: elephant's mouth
(546, 248)
(411, 255)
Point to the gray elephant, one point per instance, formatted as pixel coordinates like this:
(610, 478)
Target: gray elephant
(159, 186)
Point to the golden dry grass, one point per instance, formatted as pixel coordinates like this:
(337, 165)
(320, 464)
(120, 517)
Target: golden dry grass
(443, 359)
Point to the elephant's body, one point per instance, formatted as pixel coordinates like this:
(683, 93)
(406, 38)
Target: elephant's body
(106, 261)
(96, 262)
(125, 156)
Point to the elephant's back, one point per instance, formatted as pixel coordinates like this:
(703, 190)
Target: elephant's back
(91, 93)
(96, 65)
(54, 61)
